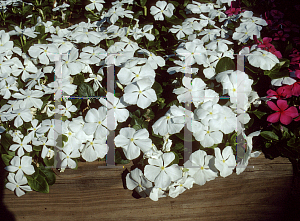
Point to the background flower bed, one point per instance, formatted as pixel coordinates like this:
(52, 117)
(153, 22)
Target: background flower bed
(165, 88)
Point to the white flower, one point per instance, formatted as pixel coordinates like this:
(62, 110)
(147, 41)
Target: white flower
(133, 74)
(68, 152)
(21, 145)
(171, 123)
(30, 98)
(226, 122)
(219, 45)
(157, 193)
(206, 135)
(167, 143)
(160, 172)
(133, 141)
(181, 31)
(153, 153)
(97, 80)
(181, 68)
(241, 165)
(262, 59)
(246, 31)
(94, 149)
(153, 60)
(285, 80)
(208, 111)
(44, 52)
(116, 108)
(181, 185)
(249, 18)
(96, 122)
(26, 31)
(65, 111)
(22, 115)
(140, 93)
(95, 4)
(21, 165)
(160, 9)
(198, 8)
(199, 169)
(225, 163)
(193, 91)
(116, 12)
(93, 55)
(17, 184)
(136, 180)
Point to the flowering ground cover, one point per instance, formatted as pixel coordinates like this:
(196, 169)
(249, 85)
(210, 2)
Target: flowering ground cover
(184, 89)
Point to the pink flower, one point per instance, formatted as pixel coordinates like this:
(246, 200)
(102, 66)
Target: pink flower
(232, 11)
(298, 118)
(297, 73)
(296, 88)
(290, 27)
(296, 40)
(284, 114)
(270, 23)
(276, 14)
(266, 45)
(280, 36)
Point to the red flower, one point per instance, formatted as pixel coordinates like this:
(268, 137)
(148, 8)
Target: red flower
(297, 73)
(290, 27)
(280, 36)
(276, 14)
(298, 118)
(296, 89)
(282, 92)
(284, 114)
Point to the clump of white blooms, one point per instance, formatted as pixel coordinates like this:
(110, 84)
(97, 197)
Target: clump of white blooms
(86, 137)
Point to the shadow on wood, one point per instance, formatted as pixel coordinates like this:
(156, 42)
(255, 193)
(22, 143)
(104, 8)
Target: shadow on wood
(90, 193)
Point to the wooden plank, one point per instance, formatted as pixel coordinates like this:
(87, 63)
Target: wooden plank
(90, 193)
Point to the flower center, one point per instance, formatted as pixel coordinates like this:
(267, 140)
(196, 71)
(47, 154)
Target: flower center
(131, 139)
(223, 161)
(202, 168)
(140, 92)
(162, 168)
(99, 122)
(92, 143)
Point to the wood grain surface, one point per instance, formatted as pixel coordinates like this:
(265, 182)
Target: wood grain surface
(89, 193)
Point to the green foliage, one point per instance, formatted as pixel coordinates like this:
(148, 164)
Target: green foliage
(269, 135)
(38, 184)
(225, 64)
(258, 114)
(6, 158)
(85, 90)
(48, 174)
(119, 159)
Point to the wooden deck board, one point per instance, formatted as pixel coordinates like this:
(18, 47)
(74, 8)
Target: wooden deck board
(90, 193)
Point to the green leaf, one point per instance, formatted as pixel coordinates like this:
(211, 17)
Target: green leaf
(181, 136)
(268, 145)
(258, 114)
(175, 3)
(176, 160)
(178, 147)
(78, 79)
(48, 162)
(163, 28)
(6, 158)
(143, 2)
(37, 148)
(158, 88)
(48, 174)
(137, 127)
(39, 184)
(225, 64)
(277, 74)
(119, 160)
(85, 90)
(269, 135)
(6, 141)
